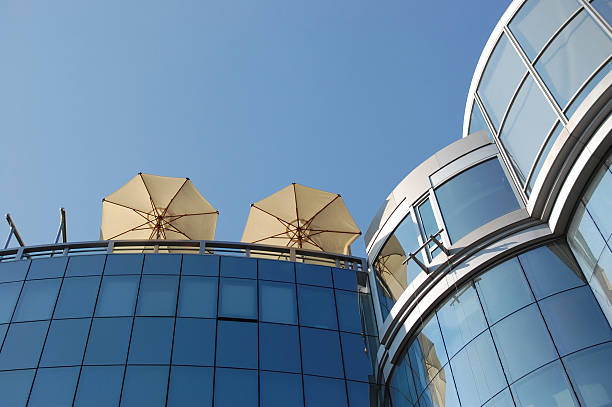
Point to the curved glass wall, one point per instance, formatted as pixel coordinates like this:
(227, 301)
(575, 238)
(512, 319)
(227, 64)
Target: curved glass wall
(182, 330)
(544, 342)
(546, 61)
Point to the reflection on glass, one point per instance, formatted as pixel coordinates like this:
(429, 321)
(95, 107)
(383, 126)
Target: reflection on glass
(582, 94)
(321, 391)
(597, 200)
(280, 389)
(162, 264)
(123, 264)
(77, 297)
(99, 386)
(198, 297)
(429, 225)
(227, 381)
(197, 265)
(356, 358)
(590, 371)
(238, 267)
(190, 386)
(317, 307)
(117, 296)
(54, 387)
(275, 270)
(37, 300)
(585, 240)
(157, 296)
(549, 143)
(441, 391)
(313, 274)
(604, 8)
(145, 386)
(503, 399)
(348, 310)
(477, 122)
(277, 302)
(345, 279)
(238, 298)
(547, 386)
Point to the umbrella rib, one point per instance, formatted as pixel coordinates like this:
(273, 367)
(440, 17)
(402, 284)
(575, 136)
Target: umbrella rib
(297, 214)
(284, 222)
(127, 231)
(138, 211)
(334, 231)
(309, 221)
(150, 197)
(269, 237)
(172, 199)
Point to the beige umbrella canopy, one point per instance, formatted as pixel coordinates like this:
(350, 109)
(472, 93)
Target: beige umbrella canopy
(432, 366)
(155, 207)
(302, 217)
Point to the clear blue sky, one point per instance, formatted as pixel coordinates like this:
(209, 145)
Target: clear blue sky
(243, 97)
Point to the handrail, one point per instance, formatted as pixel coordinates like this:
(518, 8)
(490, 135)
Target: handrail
(432, 239)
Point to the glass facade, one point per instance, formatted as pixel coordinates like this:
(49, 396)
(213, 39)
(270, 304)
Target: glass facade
(183, 330)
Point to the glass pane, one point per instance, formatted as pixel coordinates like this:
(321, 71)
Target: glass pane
(604, 7)
(321, 352)
(499, 80)
(86, 265)
(190, 386)
(238, 267)
(349, 316)
(503, 399)
(162, 264)
(48, 268)
(77, 297)
(586, 90)
(277, 302)
(238, 298)
(323, 392)
(194, 342)
(427, 354)
(15, 387)
(197, 265)
(99, 386)
(66, 342)
(151, 341)
(313, 274)
(572, 56)
(545, 151)
(108, 341)
(477, 372)
(461, 319)
(575, 320)
(198, 297)
(590, 371)
(9, 292)
(508, 278)
(279, 348)
(356, 357)
(428, 222)
(54, 387)
(237, 344)
(523, 342)
(317, 307)
(23, 345)
(123, 264)
(117, 296)
(598, 202)
(537, 21)
(403, 392)
(359, 394)
(474, 198)
(584, 239)
(477, 122)
(441, 391)
(157, 296)
(527, 125)
(345, 279)
(37, 300)
(600, 283)
(547, 386)
(13, 270)
(276, 270)
(281, 389)
(226, 383)
(550, 269)
(145, 386)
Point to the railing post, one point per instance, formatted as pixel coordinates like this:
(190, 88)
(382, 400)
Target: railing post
(202, 246)
(19, 254)
(111, 247)
(292, 254)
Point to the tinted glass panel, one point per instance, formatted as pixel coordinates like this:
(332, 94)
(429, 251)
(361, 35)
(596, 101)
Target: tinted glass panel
(590, 371)
(359, 394)
(206, 265)
(123, 264)
(65, 343)
(313, 274)
(324, 392)
(190, 386)
(503, 399)
(48, 268)
(108, 341)
(237, 344)
(9, 293)
(597, 200)
(427, 354)
(90, 265)
(238, 267)
(151, 341)
(279, 348)
(321, 352)
(162, 264)
(145, 386)
(281, 389)
(477, 122)
(604, 7)
(474, 198)
(37, 300)
(226, 383)
(276, 270)
(547, 386)
(403, 392)
(77, 297)
(54, 387)
(441, 391)
(99, 386)
(348, 311)
(117, 296)
(277, 302)
(13, 270)
(317, 307)
(23, 345)
(198, 297)
(238, 298)
(356, 357)
(15, 387)
(345, 279)
(157, 296)
(194, 342)
(429, 224)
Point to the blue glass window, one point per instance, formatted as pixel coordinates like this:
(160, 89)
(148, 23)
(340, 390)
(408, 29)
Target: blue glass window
(194, 342)
(88, 265)
(37, 300)
(190, 386)
(197, 265)
(243, 267)
(198, 297)
(48, 268)
(237, 344)
(441, 391)
(508, 278)
(54, 387)
(162, 264)
(275, 270)
(597, 201)
(123, 264)
(590, 371)
(99, 386)
(477, 122)
(349, 315)
(345, 279)
(575, 320)
(9, 293)
(324, 392)
(145, 386)
(77, 297)
(23, 345)
(474, 198)
(117, 296)
(279, 348)
(428, 223)
(281, 389)
(403, 392)
(238, 298)
(151, 341)
(356, 357)
(108, 341)
(321, 352)
(359, 394)
(503, 399)
(65, 343)
(277, 302)
(547, 386)
(427, 354)
(523, 342)
(317, 307)
(550, 269)
(157, 296)
(604, 7)
(15, 387)
(227, 381)
(313, 274)
(13, 270)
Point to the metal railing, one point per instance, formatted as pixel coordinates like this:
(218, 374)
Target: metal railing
(432, 239)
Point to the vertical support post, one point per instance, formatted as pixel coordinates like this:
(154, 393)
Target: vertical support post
(110, 247)
(292, 254)
(14, 232)
(202, 246)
